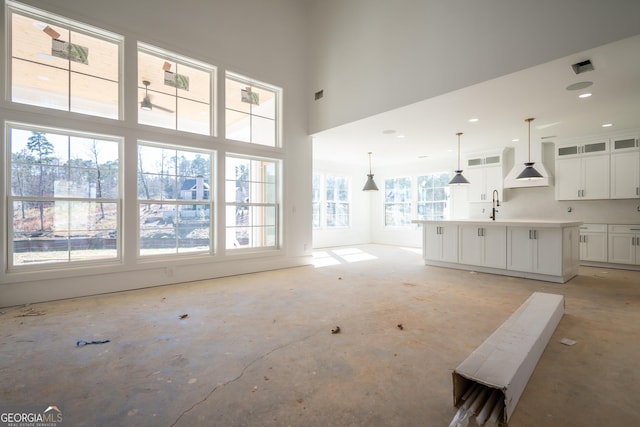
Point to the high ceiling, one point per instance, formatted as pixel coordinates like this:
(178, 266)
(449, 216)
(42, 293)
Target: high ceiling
(428, 128)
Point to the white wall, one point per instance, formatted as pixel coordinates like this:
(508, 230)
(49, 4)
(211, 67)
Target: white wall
(371, 56)
(263, 40)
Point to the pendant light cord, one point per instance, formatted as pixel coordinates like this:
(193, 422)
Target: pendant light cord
(369, 162)
(529, 120)
(459, 133)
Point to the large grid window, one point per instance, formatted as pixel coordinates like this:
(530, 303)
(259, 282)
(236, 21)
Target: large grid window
(251, 111)
(337, 201)
(62, 64)
(433, 196)
(252, 202)
(334, 193)
(174, 200)
(64, 205)
(397, 201)
(174, 92)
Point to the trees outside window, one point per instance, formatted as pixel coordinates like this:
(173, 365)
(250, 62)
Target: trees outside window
(252, 202)
(174, 202)
(397, 201)
(433, 196)
(65, 196)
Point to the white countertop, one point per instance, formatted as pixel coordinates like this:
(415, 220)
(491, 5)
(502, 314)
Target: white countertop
(551, 223)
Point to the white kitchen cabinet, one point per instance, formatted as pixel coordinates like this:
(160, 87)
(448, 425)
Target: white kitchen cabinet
(593, 242)
(624, 244)
(485, 174)
(625, 168)
(440, 242)
(535, 250)
(483, 245)
(582, 171)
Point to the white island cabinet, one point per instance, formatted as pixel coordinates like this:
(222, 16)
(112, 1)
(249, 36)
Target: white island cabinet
(534, 249)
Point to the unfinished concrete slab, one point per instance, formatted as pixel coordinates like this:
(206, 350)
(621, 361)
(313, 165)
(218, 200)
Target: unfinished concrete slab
(257, 350)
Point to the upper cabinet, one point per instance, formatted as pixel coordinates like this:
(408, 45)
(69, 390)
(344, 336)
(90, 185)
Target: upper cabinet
(485, 173)
(606, 168)
(582, 171)
(625, 168)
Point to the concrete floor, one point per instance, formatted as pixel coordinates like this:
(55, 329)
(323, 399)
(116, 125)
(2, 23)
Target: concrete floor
(257, 350)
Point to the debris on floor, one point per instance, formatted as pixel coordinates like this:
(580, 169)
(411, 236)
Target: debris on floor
(400, 326)
(567, 341)
(184, 316)
(336, 330)
(82, 343)
(31, 312)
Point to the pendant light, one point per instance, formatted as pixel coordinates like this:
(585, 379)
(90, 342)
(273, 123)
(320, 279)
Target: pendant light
(529, 173)
(458, 178)
(370, 185)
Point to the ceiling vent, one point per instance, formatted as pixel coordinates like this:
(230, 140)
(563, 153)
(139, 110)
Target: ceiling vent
(582, 66)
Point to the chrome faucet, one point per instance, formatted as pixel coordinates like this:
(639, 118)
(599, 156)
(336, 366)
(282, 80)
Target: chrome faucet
(494, 202)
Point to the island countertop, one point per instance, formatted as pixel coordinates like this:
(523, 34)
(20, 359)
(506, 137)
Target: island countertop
(547, 223)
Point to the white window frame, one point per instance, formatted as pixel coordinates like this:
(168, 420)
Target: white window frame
(323, 202)
(189, 62)
(399, 203)
(11, 267)
(278, 108)
(13, 7)
(234, 204)
(420, 192)
(178, 204)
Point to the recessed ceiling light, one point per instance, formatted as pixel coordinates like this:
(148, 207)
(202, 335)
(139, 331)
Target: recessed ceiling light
(579, 86)
(515, 140)
(585, 95)
(473, 120)
(607, 125)
(389, 131)
(400, 136)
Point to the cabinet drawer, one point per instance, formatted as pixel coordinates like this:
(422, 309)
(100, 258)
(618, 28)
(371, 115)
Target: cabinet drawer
(624, 228)
(593, 228)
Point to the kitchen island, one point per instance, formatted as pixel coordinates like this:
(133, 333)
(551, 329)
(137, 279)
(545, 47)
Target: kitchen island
(535, 249)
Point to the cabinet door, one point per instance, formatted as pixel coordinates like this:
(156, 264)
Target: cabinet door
(519, 249)
(593, 247)
(621, 250)
(493, 181)
(568, 179)
(449, 239)
(432, 242)
(625, 175)
(548, 251)
(471, 245)
(476, 188)
(495, 247)
(595, 177)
